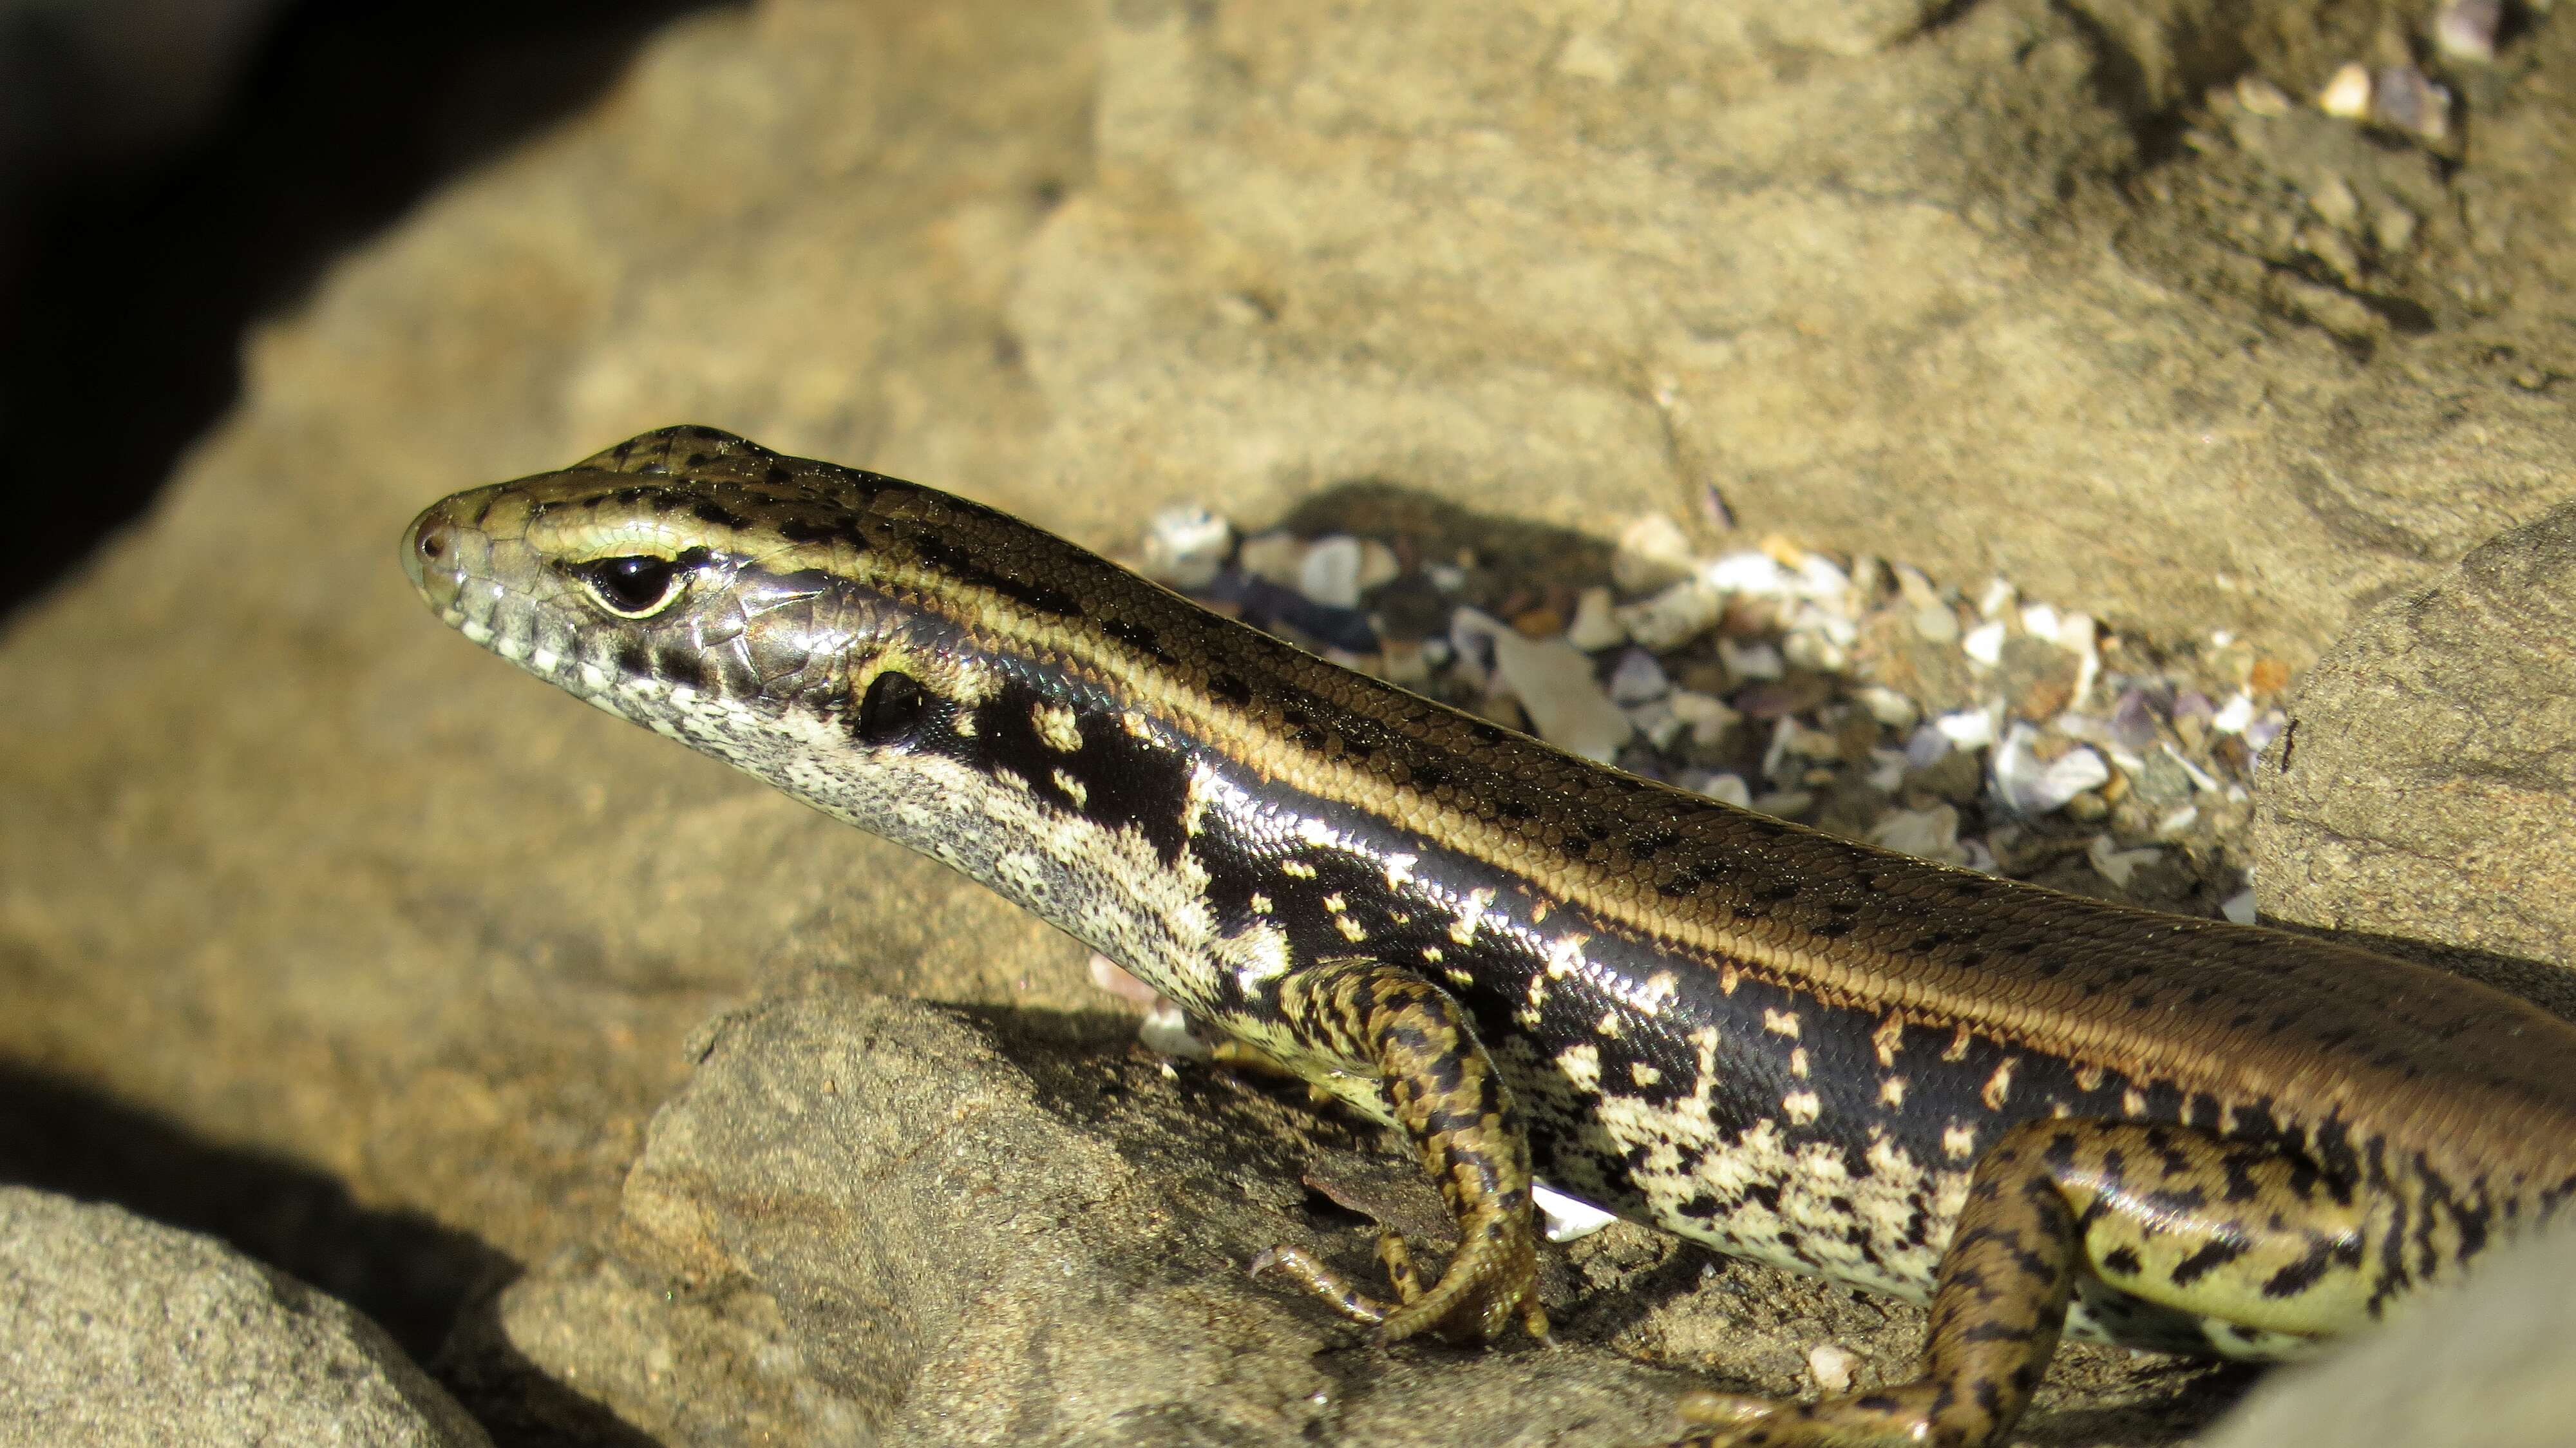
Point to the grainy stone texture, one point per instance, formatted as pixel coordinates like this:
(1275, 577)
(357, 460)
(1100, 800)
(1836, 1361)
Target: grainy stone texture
(2500, 1356)
(118, 1331)
(931, 1227)
(2424, 790)
(293, 880)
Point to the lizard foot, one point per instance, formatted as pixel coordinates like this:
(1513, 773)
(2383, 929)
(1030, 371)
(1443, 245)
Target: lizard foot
(1901, 1417)
(1491, 1283)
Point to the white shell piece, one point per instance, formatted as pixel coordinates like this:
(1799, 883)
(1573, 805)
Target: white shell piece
(2032, 786)
(1553, 681)
(1596, 624)
(1329, 574)
(2115, 864)
(1927, 834)
(1564, 1218)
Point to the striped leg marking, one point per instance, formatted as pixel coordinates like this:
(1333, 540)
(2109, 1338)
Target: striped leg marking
(1448, 1098)
(2233, 1234)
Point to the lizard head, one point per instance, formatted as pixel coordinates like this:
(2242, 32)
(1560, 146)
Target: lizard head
(876, 648)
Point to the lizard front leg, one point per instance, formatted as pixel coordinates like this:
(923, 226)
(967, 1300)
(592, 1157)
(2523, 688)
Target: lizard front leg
(1451, 1102)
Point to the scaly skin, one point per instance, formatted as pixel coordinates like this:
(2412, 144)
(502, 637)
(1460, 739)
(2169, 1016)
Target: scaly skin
(2037, 1113)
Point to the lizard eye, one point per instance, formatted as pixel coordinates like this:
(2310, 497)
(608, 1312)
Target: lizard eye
(637, 587)
(891, 710)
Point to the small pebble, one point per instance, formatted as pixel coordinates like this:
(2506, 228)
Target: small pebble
(1832, 1365)
(2408, 101)
(1793, 746)
(1751, 661)
(1651, 553)
(2133, 721)
(2240, 906)
(1887, 769)
(1759, 574)
(2347, 92)
(1274, 557)
(1984, 644)
(1184, 547)
(1638, 678)
(1781, 698)
(2030, 785)
(1815, 650)
(1329, 574)
(1784, 804)
(2118, 865)
(1707, 716)
(2233, 718)
(2466, 29)
(1656, 720)
(1998, 598)
(1722, 787)
(1595, 625)
(1936, 624)
(1887, 706)
(1673, 617)
(1966, 729)
(2261, 97)
(1926, 834)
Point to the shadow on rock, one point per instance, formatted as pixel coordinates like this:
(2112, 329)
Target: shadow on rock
(417, 1279)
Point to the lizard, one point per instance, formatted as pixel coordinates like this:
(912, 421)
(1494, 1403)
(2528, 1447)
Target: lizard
(2038, 1114)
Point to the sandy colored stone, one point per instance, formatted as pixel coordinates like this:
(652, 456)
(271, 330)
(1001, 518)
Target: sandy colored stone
(2424, 788)
(119, 1331)
(923, 1226)
(1578, 262)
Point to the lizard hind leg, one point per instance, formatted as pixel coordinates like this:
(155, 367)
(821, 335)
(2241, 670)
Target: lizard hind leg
(1451, 1102)
(2171, 1216)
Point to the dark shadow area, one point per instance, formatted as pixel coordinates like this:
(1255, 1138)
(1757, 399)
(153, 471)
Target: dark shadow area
(131, 287)
(2202, 1394)
(414, 1277)
(1424, 528)
(2550, 987)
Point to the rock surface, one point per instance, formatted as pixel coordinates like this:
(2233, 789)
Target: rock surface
(115, 1330)
(922, 1225)
(2423, 789)
(295, 879)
